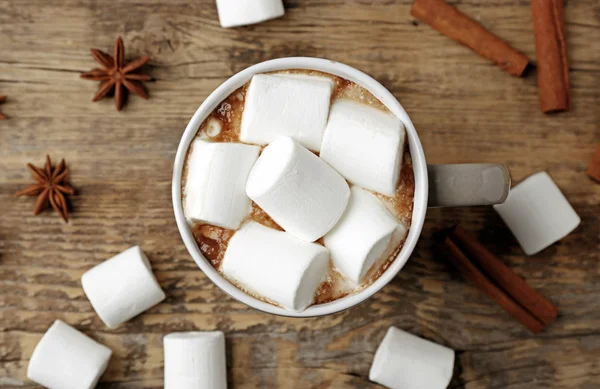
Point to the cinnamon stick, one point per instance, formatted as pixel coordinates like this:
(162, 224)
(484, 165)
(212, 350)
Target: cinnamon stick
(594, 168)
(458, 26)
(551, 54)
(470, 271)
(507, 279)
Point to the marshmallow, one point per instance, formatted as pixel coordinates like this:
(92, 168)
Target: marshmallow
(290, 105)
(195, 360)
(300, 192)
(275, 265)
(365, 145)
(405, 361)
(366, 234)
(537, 213)
(67, 359)
(234, 13)
(216, 178)
(122, 287)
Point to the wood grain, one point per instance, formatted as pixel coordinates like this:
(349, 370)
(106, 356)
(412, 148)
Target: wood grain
(465, 109)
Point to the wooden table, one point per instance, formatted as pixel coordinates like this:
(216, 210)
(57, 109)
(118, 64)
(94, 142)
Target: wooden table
(466, 110)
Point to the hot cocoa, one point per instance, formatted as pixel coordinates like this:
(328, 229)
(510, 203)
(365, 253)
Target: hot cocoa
(343, 125)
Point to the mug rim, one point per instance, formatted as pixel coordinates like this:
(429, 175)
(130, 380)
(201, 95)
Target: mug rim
(419, 168)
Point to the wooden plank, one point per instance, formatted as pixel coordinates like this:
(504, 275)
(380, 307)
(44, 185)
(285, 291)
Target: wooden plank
(465, 109)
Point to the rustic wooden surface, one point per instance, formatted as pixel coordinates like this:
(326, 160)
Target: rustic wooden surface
(465, 109)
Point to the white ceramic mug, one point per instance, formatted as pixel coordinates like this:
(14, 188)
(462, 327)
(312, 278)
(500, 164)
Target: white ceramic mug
(440, 185)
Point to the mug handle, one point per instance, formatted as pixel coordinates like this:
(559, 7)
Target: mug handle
(467, 184)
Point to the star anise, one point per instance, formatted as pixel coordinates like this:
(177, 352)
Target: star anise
(2, 100)
(50, 189)
(117, 75)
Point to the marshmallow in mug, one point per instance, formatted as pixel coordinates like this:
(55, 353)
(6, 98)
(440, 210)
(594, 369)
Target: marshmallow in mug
(195, 360)
(67, 359)
(365, 145)
(537, 213)
(405, 361)
(216, 181)
(303, 194)
(234, 13)
(295, 105)
(364, 235)
(275, 265)
(122, 287)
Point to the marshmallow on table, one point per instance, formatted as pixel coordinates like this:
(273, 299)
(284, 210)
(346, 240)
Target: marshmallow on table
(234, 13)
(122, 287)
(67, 359)
(195, 360)
(364, 144)
(537, 213)
(275, 265)
(216, 181)
(364, 236)
(294, 105)
(405, 361)
(303, 194)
